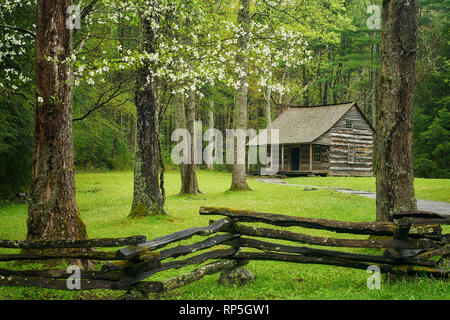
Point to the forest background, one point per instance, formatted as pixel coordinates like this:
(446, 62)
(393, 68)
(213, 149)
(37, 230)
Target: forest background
(344, 66)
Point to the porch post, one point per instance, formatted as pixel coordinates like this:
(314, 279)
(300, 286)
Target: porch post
(248, 155)
(300, 158)
(310, 157)
(282, 157)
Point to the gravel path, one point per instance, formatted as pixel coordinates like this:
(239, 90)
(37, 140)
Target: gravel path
(424, 205)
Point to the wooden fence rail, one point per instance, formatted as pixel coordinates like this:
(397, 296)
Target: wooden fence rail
(411, 243)
(117, 242)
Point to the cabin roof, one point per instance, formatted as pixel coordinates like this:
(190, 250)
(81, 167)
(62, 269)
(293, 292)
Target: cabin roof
(304, 124)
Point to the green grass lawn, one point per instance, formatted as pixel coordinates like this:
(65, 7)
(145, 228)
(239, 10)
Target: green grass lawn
(426, 189)
(104, 201)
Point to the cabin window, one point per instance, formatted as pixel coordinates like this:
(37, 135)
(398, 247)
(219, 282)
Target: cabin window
(316, 154)
(351, 154)
(348, 124)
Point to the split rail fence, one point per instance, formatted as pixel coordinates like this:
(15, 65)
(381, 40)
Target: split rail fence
(413, 244)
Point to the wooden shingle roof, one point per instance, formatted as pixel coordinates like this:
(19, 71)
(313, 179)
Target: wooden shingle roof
(304, 124)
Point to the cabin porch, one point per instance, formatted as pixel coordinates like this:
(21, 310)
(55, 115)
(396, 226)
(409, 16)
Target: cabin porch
(299, 159)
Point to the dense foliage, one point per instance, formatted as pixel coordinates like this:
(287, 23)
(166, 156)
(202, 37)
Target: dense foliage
(432, 111)
(319, 52)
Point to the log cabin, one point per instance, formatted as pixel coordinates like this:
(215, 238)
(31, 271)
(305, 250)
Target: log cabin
(335, 140)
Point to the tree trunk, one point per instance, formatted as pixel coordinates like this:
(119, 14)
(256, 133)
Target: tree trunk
(210, 164)
(336, 97)
(283, 80)
(147, 198)
(53, 212)
(115, 143)
(180, 123)
(268, 105)
(239, 178)
(189, 183)
(325, 93)
(132, 135)
(305, 83)
(229, 111)
(327, 84)
(394, 163)
(375, 90)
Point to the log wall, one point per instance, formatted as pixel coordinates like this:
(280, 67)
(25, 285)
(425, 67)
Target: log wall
(360, 137)
(334, 148)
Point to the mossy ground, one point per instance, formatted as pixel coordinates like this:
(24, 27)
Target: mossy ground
(104, 201)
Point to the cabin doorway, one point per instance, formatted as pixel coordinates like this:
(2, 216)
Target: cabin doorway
(295, 159)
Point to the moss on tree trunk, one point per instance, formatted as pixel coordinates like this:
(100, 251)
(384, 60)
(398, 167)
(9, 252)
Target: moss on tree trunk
(147, 196)
(394, 163)
(239, 178)
(53, 212)
(189, 183)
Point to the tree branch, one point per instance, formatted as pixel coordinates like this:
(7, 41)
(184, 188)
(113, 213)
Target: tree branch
(5, 26)
(99, 104)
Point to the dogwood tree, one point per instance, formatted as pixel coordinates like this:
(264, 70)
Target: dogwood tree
(181, 45)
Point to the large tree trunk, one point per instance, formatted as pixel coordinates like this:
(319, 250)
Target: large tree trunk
(53, 212)
(394, 163)
(189, 183)
(239, 178)
(147, 197)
